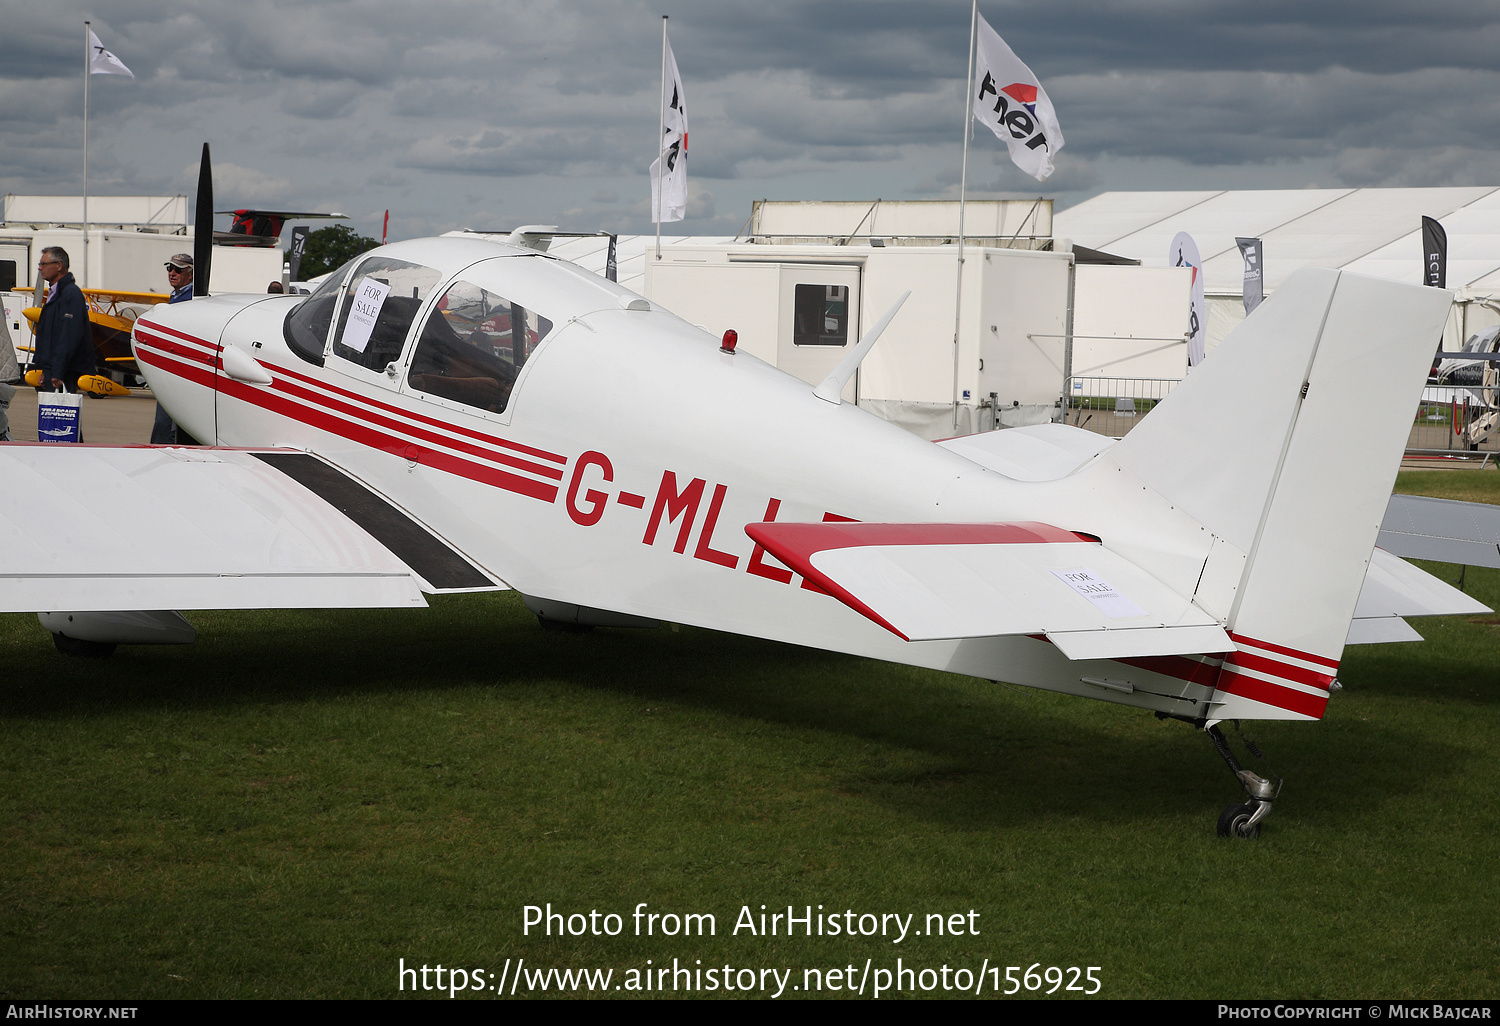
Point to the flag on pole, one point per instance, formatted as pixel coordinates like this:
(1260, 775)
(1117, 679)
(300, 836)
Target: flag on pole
(1010, 102)
(1184, 253)
(102, 62)
(1434, 253)
(1254, 290)
(669, 170)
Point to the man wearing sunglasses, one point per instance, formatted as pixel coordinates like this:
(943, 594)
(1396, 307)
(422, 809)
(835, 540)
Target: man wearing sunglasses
(164, 430)
(64, 342)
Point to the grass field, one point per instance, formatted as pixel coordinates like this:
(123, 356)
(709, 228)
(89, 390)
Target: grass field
(299, 800)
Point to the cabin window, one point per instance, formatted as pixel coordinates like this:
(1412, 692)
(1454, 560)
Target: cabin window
(820, 315)
(306, 327)
(379, 306)
(473, 347)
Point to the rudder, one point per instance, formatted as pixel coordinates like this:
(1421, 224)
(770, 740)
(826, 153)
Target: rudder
(1293, 511)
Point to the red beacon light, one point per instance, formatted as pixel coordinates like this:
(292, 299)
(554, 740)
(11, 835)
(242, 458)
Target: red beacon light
(731, 338)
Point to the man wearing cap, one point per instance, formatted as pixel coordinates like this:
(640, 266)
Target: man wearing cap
(180, 280)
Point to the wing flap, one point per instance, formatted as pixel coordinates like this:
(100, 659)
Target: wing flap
(92, 528)
(928, 582)
(1141, 641)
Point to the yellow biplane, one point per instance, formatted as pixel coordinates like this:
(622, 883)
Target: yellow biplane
(112, 315)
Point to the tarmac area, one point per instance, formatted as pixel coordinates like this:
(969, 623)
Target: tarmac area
(117, 420)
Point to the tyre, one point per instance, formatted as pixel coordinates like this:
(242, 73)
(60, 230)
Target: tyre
(1234, 822)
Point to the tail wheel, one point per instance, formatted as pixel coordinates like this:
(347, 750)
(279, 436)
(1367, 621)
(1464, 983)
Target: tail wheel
(1235, 822)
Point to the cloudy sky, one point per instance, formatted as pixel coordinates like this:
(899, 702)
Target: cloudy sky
(495, 113)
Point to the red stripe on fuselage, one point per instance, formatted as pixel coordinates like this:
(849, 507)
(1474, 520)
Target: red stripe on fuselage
(199, 374)
(1274, 668)
(321, 401)
(521, 447)
(173, 362)
(388, 443)
(166, 345)
(1240, 639)
(1257, 690)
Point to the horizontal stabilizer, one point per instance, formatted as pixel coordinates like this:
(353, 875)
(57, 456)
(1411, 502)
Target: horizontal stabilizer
(1443, 530)
(925, 582)
(1040, 452)
(1393, 587)
(93, 528)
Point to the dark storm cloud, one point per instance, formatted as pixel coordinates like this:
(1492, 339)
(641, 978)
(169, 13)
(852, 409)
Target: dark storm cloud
(376, 103)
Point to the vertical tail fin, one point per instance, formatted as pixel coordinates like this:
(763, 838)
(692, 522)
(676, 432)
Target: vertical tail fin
(1285, 444)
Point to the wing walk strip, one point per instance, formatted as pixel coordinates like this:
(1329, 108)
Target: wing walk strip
(1258, 670)
(411, 542)
(363, 420)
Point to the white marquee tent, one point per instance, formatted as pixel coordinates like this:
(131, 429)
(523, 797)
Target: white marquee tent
(1368, 231)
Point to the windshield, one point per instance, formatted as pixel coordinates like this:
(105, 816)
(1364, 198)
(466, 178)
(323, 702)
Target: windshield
(306, 327)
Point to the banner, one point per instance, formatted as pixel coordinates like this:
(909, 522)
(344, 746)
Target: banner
(1254, 286)
(102, 62)
(1434, 254)
(1010, 102)
(611, 264)
(1184, 253)
(299, 246)
(669, 170)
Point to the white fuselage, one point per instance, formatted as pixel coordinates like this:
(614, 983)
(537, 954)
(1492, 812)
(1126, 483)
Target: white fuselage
(631, 456)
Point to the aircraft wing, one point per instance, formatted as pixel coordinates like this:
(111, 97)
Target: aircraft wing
(104, 528)
(925, 582)
(288, 215)
(1442, 530)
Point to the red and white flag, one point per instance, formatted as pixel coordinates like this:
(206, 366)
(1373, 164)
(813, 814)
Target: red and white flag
(669, 170)
(1010, 102)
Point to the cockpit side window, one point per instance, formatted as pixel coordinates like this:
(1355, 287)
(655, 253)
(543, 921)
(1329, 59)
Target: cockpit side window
(473, 347)
(380, 303)
(306, 327)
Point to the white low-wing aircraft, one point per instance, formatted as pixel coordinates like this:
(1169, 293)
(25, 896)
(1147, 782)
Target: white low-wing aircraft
(461, 414)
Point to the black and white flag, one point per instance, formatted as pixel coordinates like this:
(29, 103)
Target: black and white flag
(669, 170)
(1010, 102)
(102, 62)
(1184, 253)
(1434, 254)
(299, 247)
(1254, 285)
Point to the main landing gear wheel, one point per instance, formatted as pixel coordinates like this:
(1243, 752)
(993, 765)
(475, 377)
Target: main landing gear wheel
(1235, 821)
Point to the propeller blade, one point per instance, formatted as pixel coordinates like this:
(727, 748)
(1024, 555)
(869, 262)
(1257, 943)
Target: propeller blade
(203, 227)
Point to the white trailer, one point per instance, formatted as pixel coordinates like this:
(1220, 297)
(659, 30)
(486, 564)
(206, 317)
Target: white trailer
(800, 306)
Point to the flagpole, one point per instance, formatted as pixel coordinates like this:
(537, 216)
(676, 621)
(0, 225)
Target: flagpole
(661, 111)
(86, 62)
(963, 188)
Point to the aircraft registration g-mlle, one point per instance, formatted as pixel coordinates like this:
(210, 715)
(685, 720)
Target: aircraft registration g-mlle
(460, 414)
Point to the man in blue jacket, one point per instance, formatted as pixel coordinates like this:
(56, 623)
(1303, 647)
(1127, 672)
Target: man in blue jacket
(64, 342)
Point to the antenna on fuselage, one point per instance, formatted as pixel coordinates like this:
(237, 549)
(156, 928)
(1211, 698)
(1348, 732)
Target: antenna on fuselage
(834, 384)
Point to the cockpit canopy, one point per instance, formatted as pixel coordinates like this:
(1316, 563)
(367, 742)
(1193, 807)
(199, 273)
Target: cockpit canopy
(462, 335)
